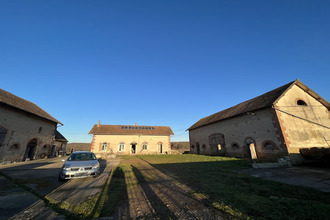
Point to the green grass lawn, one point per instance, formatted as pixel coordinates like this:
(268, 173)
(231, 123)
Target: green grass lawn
(215, 180)
(240, 195)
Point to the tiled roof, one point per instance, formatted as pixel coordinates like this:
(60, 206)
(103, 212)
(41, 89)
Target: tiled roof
(131, 130)
(59, 136)
(14, 101)
(265, 100)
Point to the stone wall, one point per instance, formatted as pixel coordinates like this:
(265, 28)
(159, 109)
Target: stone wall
(260, 126)
(303, 126)
(22, 128)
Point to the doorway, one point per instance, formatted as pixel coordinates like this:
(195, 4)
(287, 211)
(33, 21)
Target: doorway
(30, 150)
(160, 147)
(248, 143)
(133, 148)
(198, 148)
(52, 151)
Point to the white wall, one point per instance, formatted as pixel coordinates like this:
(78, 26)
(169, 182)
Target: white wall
(114, 141)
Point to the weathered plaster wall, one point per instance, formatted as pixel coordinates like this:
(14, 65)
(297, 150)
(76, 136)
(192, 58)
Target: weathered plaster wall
(114, 141)
(21, 128)
(303, 126)
(60, 147)
(259, 125)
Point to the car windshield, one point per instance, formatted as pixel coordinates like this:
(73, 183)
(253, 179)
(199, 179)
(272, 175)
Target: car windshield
(82, 156)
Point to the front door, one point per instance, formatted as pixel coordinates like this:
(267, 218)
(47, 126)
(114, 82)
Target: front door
(133, 149)
(160, 148)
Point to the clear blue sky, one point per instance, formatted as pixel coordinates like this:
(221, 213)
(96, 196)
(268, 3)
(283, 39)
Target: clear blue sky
(158, 62)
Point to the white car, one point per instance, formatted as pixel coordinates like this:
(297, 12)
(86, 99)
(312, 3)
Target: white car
(80, 164)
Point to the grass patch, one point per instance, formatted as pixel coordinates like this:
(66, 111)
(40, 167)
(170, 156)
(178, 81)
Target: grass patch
(112, 195)
(240, 195)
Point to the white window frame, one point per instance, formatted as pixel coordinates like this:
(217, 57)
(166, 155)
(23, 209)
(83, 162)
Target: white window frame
(144, 146)
(121, 147)
(104, 146)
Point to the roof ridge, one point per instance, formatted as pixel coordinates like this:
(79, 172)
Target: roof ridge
(252, 104)
(17, 102)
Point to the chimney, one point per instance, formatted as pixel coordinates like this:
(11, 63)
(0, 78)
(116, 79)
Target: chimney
(98, 124)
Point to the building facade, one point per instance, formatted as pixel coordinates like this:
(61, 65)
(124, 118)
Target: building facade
(130, 139)
(27, 132)
(59, 145)
(276, 124)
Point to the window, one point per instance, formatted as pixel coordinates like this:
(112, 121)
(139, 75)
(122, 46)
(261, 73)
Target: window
(217, 141)
(301, 102)
(144, 146)
(235, 146)
(203, 146)
(3, 133)
(104, 146)
(270, 146)
(14, 147)
(192, 146)
(121, 147)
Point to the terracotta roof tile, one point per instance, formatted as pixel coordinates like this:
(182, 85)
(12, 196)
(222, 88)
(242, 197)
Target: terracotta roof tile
(24, 105)
(59, 136)
(259, 102)
(263, 101)
(131, 129)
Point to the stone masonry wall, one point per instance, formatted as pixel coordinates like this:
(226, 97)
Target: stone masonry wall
(258, 125)
(303, 126)
(21, 128)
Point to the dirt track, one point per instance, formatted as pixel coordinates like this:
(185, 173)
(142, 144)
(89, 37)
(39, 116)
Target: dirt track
(158, 196)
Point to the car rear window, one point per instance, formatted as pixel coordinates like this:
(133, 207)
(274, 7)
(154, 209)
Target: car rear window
(82, 156)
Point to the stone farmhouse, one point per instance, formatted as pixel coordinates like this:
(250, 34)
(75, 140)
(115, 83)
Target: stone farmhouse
(59, 145)
(27, 132)
(130, 139)
(281, 123)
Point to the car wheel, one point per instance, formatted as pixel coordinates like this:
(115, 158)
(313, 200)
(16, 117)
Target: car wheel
(96, 176)
(60, 178)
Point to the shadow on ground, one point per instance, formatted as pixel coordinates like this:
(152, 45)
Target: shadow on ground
(240, 194)
(159, 206)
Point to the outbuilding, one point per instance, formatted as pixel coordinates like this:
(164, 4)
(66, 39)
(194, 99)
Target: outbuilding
(282, 123)
(27, 132)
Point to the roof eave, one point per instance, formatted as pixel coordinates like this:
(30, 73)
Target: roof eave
(233, 116)
(56, 121)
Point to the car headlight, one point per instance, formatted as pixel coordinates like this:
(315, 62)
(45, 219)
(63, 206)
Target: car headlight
(97, 165)
(66, 167)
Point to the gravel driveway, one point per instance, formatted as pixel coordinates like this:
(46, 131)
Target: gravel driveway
(41, 177)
